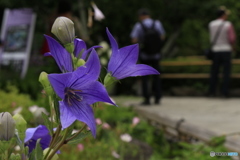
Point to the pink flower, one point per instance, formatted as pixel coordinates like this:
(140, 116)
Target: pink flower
(80, 147)
(98, 121)
(106, 126)
(135, 121)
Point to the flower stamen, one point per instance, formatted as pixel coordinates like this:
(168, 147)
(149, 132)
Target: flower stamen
(71, 94)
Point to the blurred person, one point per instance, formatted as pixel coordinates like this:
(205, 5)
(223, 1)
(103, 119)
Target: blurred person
(150, 56)
(222, 49)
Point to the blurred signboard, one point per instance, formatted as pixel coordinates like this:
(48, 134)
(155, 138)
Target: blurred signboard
(17, 35)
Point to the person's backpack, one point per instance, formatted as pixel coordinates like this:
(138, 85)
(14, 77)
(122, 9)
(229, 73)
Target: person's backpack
(152, 42)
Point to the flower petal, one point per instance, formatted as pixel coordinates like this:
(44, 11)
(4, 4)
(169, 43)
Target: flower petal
(95, 92)
(79, 45)
(113, 42)
(33, 134)
(84, 113)
(125, 58)
(93, 64)
(66, 116)
(88, 73)
(59, 82)
(60, 54)
(47, 54)
(137, 70)
(85, 53)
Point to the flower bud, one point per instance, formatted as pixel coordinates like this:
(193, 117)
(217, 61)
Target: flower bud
(43, 79)
(69, 47)
(7, 126)
(80, 62)
(21, 125)
(63, 29)
(55, 157)
(109, 79)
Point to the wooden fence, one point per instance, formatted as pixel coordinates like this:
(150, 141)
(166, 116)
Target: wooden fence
(193, 75)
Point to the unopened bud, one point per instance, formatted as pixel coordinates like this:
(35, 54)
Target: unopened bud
(63, 29)
(7, 126)
(43, 79)
(80, 62)
(69, 47)
(55, 157)
(21, 125)
(109, 79)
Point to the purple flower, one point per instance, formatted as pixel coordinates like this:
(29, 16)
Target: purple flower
(80, 48)
(80, 89)
(61, 55)
(33, 134)
(122, 63)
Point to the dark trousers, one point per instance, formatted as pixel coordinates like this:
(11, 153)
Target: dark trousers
(220, 59)
(156, 81)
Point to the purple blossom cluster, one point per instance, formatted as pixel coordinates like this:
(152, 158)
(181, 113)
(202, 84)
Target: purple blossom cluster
(78, 86)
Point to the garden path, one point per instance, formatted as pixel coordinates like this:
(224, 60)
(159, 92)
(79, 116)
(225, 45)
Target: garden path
(198, 117)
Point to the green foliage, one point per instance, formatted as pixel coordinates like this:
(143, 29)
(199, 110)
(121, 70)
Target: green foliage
(37, 153)
(155, 143)
(147, 140)
(11, 99)
(191, 20)
(80, 137)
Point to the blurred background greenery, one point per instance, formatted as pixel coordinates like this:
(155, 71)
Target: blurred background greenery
(188, 18)
(142, 141)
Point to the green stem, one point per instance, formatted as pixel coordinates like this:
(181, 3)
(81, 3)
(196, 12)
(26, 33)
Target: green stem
(54, 139)
(76, 134)
(55, 135)
(51, 103)
(58, 146)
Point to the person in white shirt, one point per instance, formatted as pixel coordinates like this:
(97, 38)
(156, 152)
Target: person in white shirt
(223, 35)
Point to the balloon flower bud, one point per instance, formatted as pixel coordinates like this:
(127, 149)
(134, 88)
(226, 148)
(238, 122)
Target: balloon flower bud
(7, 126)
(43, 79)
(55, 157)
(80, 62)
(21, 125)
(63, 29)
(109, 79)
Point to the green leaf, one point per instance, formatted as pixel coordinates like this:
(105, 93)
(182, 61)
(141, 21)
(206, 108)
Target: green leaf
(3, 147)
(69, 130)
(47, 123)
(37, 153)
(6, 145)
(216, 141)
(15, 157)
(79, 137)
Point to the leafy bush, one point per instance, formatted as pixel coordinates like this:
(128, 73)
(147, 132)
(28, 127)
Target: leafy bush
(147, 141)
